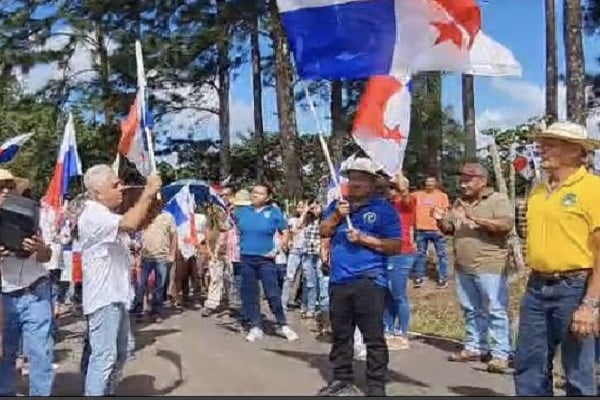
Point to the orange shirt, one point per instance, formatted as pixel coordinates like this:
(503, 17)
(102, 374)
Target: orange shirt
(425, 203)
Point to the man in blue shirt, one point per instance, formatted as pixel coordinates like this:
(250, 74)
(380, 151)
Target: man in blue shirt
(358, 285)
(257, 225)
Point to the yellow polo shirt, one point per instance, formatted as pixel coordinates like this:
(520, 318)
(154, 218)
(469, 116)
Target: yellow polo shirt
(560, 224)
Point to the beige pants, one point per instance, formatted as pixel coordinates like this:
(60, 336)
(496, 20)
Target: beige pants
(216, 287)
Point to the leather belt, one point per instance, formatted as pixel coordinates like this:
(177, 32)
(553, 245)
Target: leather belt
(29, 289)
(562, 275)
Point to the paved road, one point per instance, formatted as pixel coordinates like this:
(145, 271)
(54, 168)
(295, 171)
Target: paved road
(190, 355)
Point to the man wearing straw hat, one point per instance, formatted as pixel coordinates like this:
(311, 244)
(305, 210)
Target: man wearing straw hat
(26, 309)
(562, 300)
(363, 232)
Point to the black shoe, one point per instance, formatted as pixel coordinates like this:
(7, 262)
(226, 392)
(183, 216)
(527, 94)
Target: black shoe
(338, 388)
(417, 283)
(442, 284)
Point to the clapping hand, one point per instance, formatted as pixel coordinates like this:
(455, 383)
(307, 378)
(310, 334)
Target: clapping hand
(438, 213)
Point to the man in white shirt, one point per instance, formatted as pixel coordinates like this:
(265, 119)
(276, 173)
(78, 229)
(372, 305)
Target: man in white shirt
(27, 310)
(107, 292)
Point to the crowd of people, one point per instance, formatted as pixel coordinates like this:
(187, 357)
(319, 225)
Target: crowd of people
(355, 257)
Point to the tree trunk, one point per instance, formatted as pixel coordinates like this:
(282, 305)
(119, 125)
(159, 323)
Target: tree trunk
(223, 93)
(259, 134)
(104, 72)
(338, 131)
(575, 61)
(435, 128)
(551, 64)
(468, 100)
(285, 107)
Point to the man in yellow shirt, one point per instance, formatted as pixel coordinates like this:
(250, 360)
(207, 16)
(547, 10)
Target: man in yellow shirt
(562, 301)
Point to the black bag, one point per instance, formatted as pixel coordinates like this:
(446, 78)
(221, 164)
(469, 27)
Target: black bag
(19, 220)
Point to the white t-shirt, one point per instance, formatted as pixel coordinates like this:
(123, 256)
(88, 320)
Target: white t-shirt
(106, 258)
(297, 234)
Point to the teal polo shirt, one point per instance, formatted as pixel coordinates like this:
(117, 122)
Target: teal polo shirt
(257, 229)
(350, 261)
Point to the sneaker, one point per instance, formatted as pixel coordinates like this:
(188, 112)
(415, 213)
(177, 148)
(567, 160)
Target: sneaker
(339, 388)
(497, 366)
(207, 312)
(289, 334)
(254, 335)
(417, 283)
(442, 284)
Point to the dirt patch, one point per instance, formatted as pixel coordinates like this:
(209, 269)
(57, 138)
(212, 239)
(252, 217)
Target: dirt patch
(437, 312)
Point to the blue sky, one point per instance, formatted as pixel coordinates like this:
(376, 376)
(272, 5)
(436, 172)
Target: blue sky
(502, 102)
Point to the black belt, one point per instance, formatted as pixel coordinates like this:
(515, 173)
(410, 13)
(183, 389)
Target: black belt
(29, 289)
(562, 275)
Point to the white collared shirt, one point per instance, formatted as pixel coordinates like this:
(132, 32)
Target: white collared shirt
(106, 258)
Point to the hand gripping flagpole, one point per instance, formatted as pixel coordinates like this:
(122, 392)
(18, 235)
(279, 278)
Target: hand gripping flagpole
(324, 146)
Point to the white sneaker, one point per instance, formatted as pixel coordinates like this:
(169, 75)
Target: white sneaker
(289, 334)
(254, 334)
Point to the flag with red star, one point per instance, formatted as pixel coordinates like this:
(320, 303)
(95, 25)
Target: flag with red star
(382, 121)
(333, 39)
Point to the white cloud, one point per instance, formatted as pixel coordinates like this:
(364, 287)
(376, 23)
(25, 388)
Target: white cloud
(79, 68)
(529, 101)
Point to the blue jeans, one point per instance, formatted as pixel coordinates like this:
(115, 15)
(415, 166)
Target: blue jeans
(311, 266)
(398, 306)
(161, 270)
(323, 293)
(544, 323)
(28, 317)
(108, 332)
(253, 270)
(484, 302)
(439, 242)
(294, 262)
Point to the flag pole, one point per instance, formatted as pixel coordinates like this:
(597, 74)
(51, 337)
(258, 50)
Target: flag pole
(141, 76)
(324, 146)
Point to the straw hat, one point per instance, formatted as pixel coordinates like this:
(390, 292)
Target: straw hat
(568, 132)
(6, 175)
(241, 198)
(360, 164)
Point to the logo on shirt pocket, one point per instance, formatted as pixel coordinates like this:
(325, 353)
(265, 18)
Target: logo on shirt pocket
(267, 214)
(569, 200)
(370, 218)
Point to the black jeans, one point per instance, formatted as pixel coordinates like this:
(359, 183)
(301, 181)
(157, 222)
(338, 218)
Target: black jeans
(360, 303)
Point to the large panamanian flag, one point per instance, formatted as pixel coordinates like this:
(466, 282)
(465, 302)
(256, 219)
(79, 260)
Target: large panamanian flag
(333, 39)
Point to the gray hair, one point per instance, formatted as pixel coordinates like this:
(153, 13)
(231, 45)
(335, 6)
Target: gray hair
(97, 175)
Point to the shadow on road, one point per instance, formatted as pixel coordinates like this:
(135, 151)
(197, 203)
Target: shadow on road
(473, 391)
(145, 338)
(71, 383)
(144, 384)
(320, 362)
(443, 344)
